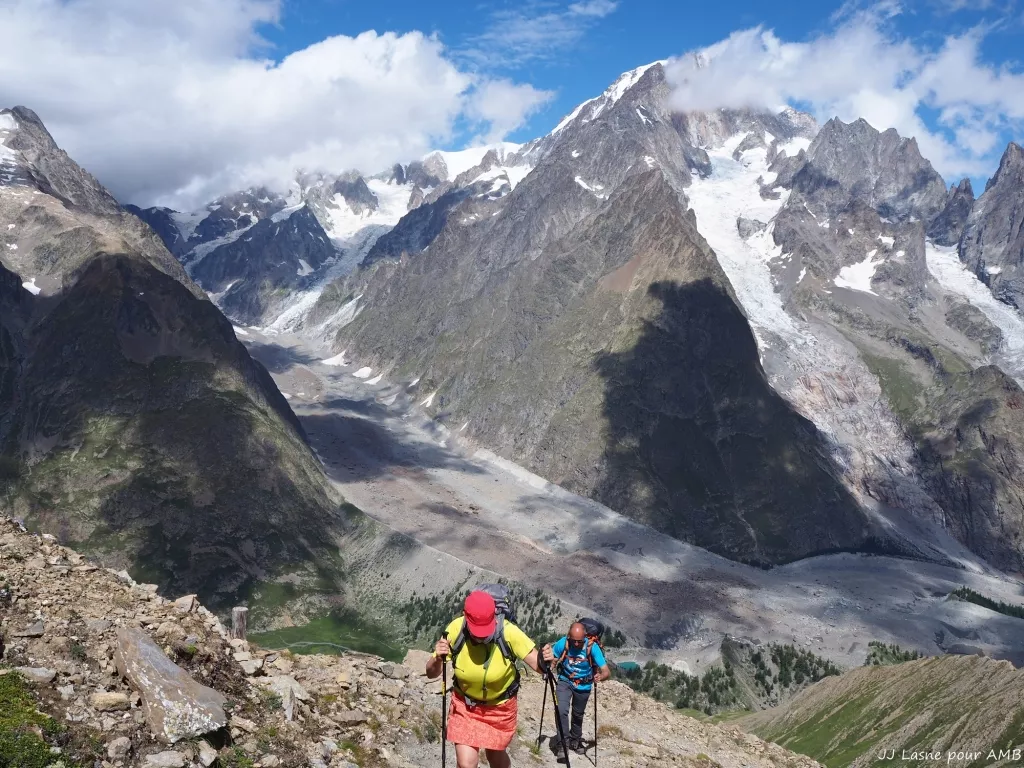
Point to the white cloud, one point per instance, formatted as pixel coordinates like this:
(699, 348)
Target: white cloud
(505, 106)
(597, 8)
(861, 70)
(170, 101)
(537, 30)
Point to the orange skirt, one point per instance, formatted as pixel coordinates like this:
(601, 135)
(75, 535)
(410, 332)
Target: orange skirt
(482, 726)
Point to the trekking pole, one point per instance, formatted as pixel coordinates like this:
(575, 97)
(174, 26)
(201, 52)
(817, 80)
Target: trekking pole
(595, 724)
(543, 706)
(444, 709)
(558, 717)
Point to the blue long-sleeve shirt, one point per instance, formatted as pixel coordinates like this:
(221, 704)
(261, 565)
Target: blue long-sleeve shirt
(576, 667)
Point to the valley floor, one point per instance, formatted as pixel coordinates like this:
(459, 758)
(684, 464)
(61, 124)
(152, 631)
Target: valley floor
(404, 470)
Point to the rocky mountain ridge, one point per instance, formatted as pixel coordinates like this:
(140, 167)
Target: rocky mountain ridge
(130, 410)
(83, 651)
(894, 195)
(835, 243)
(970, 712)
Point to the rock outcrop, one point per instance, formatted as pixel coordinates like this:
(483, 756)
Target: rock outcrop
(175, 706)
(288, 712)
(992, 244)
(132, 420)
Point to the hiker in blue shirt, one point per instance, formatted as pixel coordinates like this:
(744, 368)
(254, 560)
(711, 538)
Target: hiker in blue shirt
(579, 663)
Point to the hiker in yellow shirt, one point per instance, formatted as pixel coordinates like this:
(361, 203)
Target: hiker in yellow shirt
(484, 711)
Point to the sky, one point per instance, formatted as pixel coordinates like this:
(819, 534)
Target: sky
(174, 102)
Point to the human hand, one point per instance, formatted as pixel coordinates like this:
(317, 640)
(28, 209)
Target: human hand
(547, 653)
(442, 648)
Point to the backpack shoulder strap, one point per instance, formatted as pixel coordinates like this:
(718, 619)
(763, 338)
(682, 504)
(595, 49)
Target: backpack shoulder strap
(459, 642)
(506, 649)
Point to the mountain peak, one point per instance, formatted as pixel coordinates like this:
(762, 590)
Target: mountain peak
(48, 167)
(592, 108)
(883, 170)
(1011, 166)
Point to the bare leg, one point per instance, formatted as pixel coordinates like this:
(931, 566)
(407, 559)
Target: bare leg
(467, 757)
(498, 759)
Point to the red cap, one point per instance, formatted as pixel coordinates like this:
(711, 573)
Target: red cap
(479, 613)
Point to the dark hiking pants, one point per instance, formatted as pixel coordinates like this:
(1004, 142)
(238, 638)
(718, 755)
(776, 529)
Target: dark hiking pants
(566, 695)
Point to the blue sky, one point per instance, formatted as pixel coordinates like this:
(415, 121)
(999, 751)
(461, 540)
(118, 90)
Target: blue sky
(576, 56)
(178, 101)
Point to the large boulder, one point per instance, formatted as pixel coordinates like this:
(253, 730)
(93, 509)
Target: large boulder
(176, 706)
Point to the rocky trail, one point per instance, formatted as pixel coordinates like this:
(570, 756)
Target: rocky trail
(105, 672)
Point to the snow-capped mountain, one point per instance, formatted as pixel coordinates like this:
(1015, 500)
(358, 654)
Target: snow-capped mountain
(265, 257)
(833, 243)
(791, 300)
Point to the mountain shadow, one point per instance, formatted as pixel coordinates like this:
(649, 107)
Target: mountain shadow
(701, 447)
(145, 432)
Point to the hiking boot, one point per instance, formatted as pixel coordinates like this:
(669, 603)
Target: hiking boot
(579, 747)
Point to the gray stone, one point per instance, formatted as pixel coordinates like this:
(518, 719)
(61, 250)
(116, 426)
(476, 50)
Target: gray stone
(165, 760)
(349, 717)
(394, 671)
(207, 754)
(328, 747)
(281, 684)
(747, 227)
(251, 666)
(109, 702)
(119, 748)
(175, 706)
(289, 690)
(97, 626)
(391, 688)
(241, 723)
(36, 675)
(36, 629)
(186, 604)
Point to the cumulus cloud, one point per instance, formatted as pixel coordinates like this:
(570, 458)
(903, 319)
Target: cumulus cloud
(175, 101)
(862, 70)
(504, 106)
(537, 30)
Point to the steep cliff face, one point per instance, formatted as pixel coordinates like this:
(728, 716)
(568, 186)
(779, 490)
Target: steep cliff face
(135, 423)
(864, 269)
(616, 363)
(992, 244)
(948, 226)
(254, 275)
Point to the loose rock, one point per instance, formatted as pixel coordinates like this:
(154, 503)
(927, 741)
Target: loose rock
(176, 706)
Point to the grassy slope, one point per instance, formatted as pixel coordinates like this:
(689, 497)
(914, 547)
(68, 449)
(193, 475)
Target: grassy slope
(945, 702)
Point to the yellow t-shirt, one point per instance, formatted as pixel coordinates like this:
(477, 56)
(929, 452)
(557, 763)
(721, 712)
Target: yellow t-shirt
(482, 671)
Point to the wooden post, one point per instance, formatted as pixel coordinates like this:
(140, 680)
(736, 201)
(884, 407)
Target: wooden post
(239, 618)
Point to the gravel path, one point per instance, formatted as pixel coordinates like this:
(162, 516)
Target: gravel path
(414, 476)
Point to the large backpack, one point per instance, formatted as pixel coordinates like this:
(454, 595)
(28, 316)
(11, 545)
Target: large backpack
(594, 630)
(502, 601)
(503, 610)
